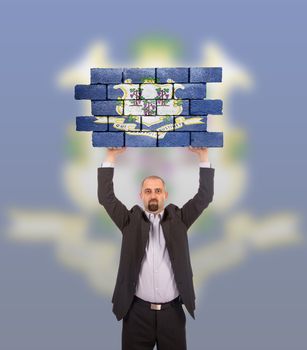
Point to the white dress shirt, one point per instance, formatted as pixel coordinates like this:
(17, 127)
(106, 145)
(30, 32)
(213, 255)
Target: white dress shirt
(156, 281)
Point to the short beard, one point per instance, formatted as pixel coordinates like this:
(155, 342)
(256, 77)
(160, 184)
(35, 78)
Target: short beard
(153, 206)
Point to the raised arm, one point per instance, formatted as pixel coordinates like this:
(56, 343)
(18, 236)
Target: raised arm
(195, 206)
(106, 197)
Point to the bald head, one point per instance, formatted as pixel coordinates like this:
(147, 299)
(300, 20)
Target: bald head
(153, 177)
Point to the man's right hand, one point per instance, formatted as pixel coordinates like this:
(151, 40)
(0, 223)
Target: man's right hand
(113, 152)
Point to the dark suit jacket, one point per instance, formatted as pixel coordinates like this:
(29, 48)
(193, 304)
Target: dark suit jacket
(135, 225)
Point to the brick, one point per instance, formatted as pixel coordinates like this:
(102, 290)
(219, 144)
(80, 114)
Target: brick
(139, 75)
(189, 91)
(177, 75)
(205, 75)
(106, 75)
(163, 123)
(140, 107)
(125, 123)
(204, 107)
(190, 123)
(156, 91)
(107, 107)
(141, 139)
(107, 139)
(90, 92)
(207, 139)
(173, 139)
(150, 107)
(91, 124)
(173, 107)
(123, 91)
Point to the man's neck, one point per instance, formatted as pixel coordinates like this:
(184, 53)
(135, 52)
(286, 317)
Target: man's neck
(155, 213)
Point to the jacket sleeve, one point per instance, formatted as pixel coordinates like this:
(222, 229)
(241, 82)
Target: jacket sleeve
(106, 197)
(195, 206)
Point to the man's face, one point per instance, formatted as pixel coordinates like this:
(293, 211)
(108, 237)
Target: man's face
(153, 195)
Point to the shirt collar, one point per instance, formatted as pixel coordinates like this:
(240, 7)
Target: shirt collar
(148, 213)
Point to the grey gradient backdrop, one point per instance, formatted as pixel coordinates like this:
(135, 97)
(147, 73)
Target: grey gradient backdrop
(259, 305)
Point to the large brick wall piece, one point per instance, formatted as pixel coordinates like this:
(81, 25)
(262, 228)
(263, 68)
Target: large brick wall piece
(150, 107)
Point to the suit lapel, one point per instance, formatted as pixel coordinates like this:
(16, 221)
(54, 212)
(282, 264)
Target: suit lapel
(145, 226)
(166, 226)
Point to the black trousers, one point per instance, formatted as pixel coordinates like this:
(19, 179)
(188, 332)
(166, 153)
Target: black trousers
(144, 327)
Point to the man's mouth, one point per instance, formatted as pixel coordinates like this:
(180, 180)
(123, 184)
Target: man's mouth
(153, 205)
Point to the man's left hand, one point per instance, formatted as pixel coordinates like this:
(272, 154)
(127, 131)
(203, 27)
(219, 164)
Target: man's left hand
(202, 152)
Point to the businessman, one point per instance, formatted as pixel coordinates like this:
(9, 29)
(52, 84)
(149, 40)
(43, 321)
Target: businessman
(155, 276)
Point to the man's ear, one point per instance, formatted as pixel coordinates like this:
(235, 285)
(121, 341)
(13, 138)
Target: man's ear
(166, 195)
